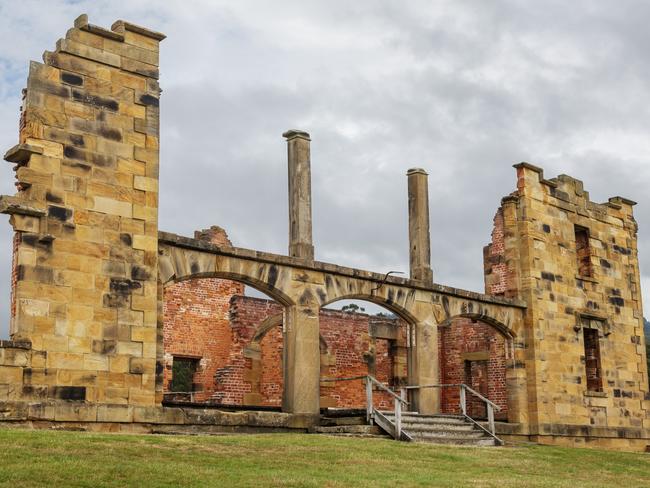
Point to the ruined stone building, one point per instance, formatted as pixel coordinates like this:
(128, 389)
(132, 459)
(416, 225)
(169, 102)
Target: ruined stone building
(104, 303)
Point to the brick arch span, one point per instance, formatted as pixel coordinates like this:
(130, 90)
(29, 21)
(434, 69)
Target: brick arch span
(497, 325)
(276, 321)
(475, 350)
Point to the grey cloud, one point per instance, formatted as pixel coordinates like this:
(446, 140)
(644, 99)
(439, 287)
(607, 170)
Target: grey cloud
(464, 89)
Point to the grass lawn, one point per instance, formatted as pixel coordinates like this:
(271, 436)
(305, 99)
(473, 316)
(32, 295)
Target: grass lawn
(44, 458)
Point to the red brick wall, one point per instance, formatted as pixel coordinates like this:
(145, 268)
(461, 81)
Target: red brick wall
(14, 273)
(210, 319)
(197, 325)
(465, 340)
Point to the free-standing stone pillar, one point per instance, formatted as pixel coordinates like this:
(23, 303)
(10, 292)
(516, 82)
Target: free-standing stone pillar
(300, 239)
(419, 239)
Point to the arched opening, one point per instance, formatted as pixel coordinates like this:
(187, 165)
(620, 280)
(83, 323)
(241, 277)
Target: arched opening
(363, 338)
(210, 326)
(474, 351)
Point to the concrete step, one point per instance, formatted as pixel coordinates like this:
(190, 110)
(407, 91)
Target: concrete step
(348, 429)
(334, 421)
(429, 419)
(442, 429)
(457, 441)
(426, 430)
(437, 426)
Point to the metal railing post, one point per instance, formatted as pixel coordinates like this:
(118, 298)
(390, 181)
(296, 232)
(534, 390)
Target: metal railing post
(369, 400)
(490, 412)
(463, 400)
(398, 419)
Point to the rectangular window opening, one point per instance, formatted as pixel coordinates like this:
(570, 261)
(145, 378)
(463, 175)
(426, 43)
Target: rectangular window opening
(583, 251)
(183, 370)
(592, 360)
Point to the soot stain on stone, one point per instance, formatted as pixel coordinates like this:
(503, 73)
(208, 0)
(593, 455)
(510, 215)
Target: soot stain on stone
(445, 306)
(149, 100)
(273, 275)
(71, 79)
(322, 296)
(50, 197)
(306, 297)
(77, 140)
(59, 213)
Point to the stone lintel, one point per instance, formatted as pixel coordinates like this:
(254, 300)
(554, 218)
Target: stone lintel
(14, 205)
(21, 153)
(121, 25)
(293, 133)
(81, 23)
(175, 240)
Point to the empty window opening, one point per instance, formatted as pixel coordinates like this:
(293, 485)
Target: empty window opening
(592, 360)
(183, 370)
(583, 252)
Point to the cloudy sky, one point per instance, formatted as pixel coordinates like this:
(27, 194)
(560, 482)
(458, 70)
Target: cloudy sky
(464, 89)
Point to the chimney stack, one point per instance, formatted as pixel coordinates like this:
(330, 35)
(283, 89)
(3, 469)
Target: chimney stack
(300, 237)
(419, 238)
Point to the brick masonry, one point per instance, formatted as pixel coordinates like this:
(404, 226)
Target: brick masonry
(240, 364)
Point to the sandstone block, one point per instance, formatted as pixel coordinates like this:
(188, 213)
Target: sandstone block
(112, 207)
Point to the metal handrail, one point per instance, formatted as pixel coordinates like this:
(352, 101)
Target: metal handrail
(455, 385)
(371, 412)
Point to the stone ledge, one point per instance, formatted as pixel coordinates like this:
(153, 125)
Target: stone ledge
(199, 245)
(596, 394)
(21, 153)
(14, 205)
(15, 344)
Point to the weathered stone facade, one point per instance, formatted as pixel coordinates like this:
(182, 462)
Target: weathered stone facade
(575, 263)
(92, 270)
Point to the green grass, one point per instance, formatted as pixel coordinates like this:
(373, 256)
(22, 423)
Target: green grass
(45, 458)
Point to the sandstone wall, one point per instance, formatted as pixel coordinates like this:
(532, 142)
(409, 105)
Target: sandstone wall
(534, 256)
(86, 220)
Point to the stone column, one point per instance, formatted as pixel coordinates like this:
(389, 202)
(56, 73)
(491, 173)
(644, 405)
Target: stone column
(424, 357)
(419, 239)
(300, 239)
(301, 393)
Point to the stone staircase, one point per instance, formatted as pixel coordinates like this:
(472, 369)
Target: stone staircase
(442, 429)
(436, 429)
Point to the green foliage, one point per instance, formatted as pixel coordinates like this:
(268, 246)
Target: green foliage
(352, 308)
(76, 459)
(183, 374)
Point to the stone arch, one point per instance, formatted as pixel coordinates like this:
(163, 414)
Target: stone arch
(398, 309)
(179, 264)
